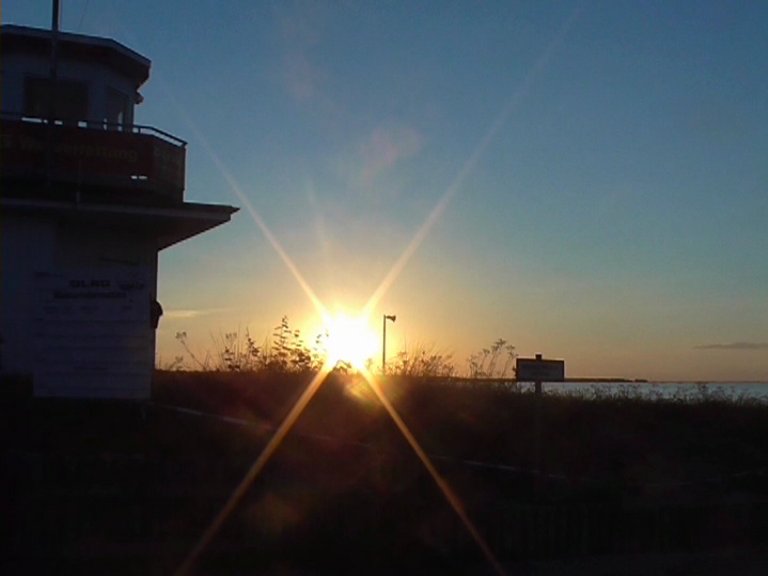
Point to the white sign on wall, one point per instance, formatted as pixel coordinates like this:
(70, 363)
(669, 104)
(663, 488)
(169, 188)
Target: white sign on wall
(93, 337)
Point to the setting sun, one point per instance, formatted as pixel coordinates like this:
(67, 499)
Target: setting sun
(349, 339)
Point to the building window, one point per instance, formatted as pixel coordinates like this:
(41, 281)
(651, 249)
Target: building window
(119, 110)
(69, 99)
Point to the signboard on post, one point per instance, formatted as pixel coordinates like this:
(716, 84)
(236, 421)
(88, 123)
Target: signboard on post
(540, 370)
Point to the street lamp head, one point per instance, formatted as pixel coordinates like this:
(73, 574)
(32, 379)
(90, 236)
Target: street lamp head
(386, 317)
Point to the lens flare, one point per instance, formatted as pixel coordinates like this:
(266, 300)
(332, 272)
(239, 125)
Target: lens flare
(452, 499)
(253, 472)
(351, 343)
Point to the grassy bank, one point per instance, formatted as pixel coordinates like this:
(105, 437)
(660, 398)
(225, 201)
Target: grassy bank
(632, 444)
(111, 487)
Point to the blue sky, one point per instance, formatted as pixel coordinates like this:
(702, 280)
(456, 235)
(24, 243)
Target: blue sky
(599, 170)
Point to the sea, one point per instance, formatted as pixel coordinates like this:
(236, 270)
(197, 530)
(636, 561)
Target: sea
(683, 391)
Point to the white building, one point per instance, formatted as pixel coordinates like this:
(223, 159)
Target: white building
(87, 200)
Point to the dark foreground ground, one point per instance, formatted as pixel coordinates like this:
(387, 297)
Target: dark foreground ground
(617, 486)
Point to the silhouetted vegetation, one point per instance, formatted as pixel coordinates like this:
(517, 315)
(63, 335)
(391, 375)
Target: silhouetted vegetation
(496, 361)
(421, 361)
(237, 351)
(285, 351)
(113, 488)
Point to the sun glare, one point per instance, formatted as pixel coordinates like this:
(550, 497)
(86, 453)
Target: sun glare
(350, 339)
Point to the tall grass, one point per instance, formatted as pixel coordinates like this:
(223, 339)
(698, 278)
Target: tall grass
(286, 351)
(422, 361)
(495, 361)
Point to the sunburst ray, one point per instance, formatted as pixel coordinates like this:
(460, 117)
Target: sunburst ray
(450, 496)
(253, 472)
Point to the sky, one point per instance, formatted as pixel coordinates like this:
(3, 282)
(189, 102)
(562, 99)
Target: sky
(587, 180)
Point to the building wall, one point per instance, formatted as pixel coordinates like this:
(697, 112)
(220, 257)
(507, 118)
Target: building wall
(75, 306)
(27, 244)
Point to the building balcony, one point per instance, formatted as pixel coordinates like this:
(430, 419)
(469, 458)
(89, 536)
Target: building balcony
(90, 161)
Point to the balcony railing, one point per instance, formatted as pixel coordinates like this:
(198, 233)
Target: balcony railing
(109, 158)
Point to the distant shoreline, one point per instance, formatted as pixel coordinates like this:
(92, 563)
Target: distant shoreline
(605, 380)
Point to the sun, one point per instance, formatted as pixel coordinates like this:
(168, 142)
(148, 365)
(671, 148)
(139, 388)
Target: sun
(349, 339)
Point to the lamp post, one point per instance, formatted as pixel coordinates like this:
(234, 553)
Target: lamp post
(384, 341)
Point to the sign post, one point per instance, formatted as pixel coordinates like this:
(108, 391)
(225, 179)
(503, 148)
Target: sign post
(537, 427)
(538, 370)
